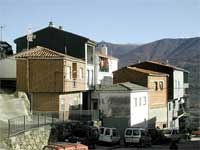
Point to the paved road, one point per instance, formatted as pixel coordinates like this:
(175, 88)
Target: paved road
(191, 145)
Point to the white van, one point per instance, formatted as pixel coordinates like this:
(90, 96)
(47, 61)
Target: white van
(109, 135)
(136, 136)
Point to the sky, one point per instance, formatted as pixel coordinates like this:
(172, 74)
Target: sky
(117, 21)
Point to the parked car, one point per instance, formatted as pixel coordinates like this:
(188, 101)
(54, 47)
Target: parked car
(157, 136)
(85, 134)
(109, 135)
(65, 146)
(172, 134)
(137, 136)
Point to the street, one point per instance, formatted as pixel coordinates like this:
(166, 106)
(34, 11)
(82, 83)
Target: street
(190, 145)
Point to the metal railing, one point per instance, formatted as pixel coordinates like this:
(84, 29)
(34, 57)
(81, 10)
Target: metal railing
(37, 119)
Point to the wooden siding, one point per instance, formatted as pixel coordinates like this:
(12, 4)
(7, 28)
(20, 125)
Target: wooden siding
(46, 75)
(21, 75)
(45, 101)
(158, 98)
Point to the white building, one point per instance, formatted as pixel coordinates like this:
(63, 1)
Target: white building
(175, 106)
(124, 100)
(104, 66)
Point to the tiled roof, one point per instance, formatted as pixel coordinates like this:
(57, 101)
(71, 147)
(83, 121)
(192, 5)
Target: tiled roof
(39, 51)
(149, 72)
(42, 52)
(126, 86)
(161, 64)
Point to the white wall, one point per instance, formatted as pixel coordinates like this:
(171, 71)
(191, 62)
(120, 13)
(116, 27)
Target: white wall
(178, 84)
(139, 113)
(102, 77)
(8, 68)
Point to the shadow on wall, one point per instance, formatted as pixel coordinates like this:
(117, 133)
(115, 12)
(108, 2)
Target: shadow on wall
(151, 123)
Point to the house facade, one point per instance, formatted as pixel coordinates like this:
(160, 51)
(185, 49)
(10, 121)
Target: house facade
(156, 82)
(66, 43)
(53, 81)
(177, 91)
(104, 66)
(125, 101)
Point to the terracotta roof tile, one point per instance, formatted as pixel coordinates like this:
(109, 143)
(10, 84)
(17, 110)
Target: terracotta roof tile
(39, 52)
(42, 52)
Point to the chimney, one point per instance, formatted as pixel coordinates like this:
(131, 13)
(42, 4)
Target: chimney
(50, 24)
(60, 27)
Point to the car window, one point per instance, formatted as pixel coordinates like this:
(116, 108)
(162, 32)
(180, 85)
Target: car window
(128, 132)
(135, 132)
(143, 133)
(101, 130)
(114, 132)
(107, 132)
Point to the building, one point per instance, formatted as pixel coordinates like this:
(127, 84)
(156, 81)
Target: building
(53, 81)
(8, 74)
(156, 82)
(124, 101)
(177, 91)
(67, 43)
(104, 66)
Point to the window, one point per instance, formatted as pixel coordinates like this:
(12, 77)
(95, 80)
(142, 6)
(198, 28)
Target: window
(92, 75)
(140, 101)
(156, 85)
(74, 70)
(135, 132)
(145, 100)
(68, 73)
(161, 85)
(135, 102)
(101, 130)
(143, 133)
(81, 73)
(129, 132)
(88, 77)
(169, 106)
(107, 132)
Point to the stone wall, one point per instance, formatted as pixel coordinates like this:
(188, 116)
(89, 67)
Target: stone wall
(31, 140)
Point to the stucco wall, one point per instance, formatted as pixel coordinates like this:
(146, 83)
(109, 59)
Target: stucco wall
(113, 104)
(8, 68)
(139, 109)
(35, 139)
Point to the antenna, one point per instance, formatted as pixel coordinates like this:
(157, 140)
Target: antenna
(30, 37)
(2, 27)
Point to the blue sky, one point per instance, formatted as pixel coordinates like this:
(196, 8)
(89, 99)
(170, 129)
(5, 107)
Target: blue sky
(118, 21)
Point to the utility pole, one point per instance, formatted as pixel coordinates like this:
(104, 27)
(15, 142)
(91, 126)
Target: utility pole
(1, 28)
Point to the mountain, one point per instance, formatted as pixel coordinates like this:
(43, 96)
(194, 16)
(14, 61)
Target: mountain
(182, 52)
(117, 50)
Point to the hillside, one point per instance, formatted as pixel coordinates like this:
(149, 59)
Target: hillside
(183, 53)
